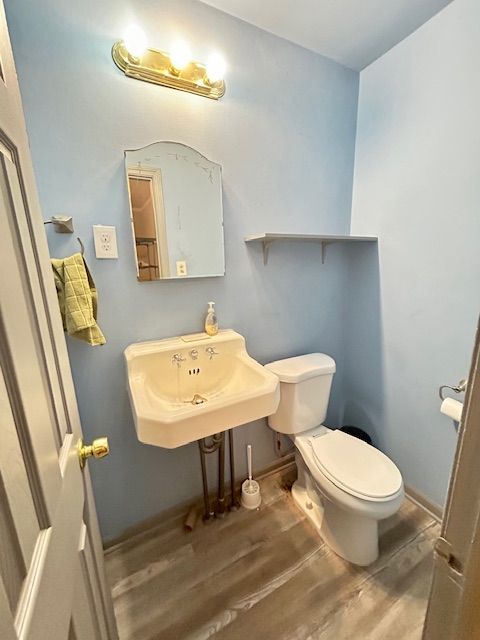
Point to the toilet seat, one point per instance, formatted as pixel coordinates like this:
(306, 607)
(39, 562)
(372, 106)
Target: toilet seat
(355, 466)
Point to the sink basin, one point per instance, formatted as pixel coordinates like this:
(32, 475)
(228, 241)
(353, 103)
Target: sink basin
(190, 387)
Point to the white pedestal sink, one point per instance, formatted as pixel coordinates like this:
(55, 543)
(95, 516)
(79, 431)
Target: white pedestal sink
(185, 388)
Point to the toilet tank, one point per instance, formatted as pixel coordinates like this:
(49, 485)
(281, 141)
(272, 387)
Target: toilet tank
(305, 383)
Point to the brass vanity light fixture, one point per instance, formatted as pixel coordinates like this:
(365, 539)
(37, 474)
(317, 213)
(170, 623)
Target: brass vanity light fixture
(176, 70)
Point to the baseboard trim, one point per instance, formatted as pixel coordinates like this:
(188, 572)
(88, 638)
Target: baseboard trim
(281, 466)
(424, 503)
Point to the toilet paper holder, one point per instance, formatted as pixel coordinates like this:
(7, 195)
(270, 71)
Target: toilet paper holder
(459, 388)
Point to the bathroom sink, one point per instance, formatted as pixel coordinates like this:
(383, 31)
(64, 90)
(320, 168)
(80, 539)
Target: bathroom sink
(190, 387)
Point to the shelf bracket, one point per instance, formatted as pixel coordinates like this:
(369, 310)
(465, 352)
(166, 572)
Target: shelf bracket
(324, 246)
(266, 246)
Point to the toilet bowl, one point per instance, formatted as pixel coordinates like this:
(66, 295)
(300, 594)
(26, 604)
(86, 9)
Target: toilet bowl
(355, 486)
(344, 486)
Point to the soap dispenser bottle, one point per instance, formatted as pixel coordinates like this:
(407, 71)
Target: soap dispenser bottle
(211, 323)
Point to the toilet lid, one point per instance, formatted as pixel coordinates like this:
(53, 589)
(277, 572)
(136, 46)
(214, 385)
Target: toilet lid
(355, 466)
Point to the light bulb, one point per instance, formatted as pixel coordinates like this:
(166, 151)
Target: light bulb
(135, 41)
(216, 67)
(180, 55)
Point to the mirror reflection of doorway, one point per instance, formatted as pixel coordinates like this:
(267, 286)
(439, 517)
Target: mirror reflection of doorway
(147, 216)
(176, 192)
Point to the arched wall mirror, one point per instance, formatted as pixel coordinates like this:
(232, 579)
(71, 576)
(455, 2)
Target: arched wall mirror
(176, 212)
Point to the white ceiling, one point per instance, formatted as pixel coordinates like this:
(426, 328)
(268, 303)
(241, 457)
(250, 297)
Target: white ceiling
(352, 32)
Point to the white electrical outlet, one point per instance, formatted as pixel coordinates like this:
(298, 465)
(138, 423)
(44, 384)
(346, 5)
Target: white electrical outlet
(105, 239)
(181, 268)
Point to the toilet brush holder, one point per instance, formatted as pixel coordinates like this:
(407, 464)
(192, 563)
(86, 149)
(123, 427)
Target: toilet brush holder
(251, 497)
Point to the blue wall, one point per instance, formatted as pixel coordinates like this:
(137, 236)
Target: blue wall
(413, 311)
(284, 134)
(399, 321)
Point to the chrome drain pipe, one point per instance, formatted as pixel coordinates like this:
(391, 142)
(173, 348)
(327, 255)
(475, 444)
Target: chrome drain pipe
(217, 443)
(208, 512)
(234, 504)
(220, 511)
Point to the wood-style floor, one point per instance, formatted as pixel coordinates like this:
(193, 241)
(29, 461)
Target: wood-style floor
(266, 575)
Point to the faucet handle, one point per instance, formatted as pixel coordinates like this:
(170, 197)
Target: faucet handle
(177, 359)
(211, 352)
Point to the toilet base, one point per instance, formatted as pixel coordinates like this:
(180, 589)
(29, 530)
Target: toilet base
(312, 510)
(352, 537)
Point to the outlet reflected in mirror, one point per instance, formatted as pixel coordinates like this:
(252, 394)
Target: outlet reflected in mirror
(176, 212)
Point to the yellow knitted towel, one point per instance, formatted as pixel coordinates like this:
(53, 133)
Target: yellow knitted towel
(77, 297)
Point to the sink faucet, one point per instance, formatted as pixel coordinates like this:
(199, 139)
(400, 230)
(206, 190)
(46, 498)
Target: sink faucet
(177, 359)
(211, 352)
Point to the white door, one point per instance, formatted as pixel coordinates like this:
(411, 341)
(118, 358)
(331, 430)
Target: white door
(453, 610)
(52, 584)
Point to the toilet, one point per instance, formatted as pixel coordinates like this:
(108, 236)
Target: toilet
(344, 486)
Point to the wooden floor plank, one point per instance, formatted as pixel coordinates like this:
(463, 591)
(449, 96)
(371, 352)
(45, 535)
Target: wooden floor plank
(267, 575)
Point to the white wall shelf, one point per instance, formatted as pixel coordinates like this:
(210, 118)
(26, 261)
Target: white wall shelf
(267, 239)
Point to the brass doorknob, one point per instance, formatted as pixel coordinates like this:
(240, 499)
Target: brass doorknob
(98, 449)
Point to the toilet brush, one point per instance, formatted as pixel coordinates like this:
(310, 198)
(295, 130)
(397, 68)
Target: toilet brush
(251, 497)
